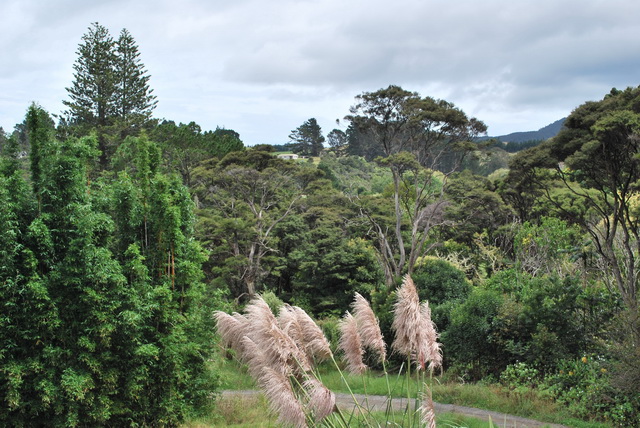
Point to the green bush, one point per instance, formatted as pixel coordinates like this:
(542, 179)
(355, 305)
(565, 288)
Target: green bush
(520, 377)
(583, 385)
(105, 318)
(467, 341)
(443, 285)
(273, 301)
(541, 320)
(330, 329)
(438, 281)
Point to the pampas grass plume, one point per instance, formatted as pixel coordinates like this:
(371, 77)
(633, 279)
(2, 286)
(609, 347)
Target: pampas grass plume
(305, 332)
(280, 351)
(281, 398)
(321, 401)
(368, 326)
(427, 411)
(351, 344)
(406, 320)
(416, 334)
(432, 352)
(231, 329)
(316, 341)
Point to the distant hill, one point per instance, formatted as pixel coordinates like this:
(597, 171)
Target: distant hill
(541, 134)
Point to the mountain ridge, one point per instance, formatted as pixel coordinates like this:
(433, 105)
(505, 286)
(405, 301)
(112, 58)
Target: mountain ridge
(543, 133)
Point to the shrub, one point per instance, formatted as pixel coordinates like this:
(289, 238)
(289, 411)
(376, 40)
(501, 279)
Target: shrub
(468, 337)
(443, 285)
(583, 385)
(438, 281)
(520, 377)
(541, 319)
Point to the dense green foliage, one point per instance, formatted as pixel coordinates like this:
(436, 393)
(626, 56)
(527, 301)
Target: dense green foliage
(513, 147)
(105, 318)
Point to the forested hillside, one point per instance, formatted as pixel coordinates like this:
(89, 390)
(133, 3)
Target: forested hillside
(541, 134)
(123, 233)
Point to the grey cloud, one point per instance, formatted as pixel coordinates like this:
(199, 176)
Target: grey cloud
(242, 62)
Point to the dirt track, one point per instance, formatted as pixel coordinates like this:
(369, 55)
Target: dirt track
(379, 403)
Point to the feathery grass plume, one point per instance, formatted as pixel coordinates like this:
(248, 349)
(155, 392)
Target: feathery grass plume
(253, 357)
(427, 411)
(368, 326)
(280, 351)
(321, 401)
(432, 351)
(282, 399)
(315, 343)
(288, 322)
(406, 320)
(351, 344)
(305, 332)
(231, 329)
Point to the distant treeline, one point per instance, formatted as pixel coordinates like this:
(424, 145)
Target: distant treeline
(510, 147)
(282, 147)
(513, 147)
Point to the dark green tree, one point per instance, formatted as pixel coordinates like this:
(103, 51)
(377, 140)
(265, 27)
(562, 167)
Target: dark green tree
(324, 260)
(134, 100)
(222, 141)
(154, 221)
(596, 158)
(110, 92)
(28, 318)
(40, 132)
(384, 116)
(338, 141)
(475, 209)
(182, 146)
(361, 143)
(3, 140)
(185, 145)
(397, 120)
(244, 197)
(307, 139)
(91, 103)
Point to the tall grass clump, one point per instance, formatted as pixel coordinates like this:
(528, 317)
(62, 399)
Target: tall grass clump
(282, 353)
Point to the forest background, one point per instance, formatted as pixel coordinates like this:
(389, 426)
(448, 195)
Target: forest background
(122, 234)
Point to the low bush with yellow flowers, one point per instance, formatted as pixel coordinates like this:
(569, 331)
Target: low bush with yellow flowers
(583, 386)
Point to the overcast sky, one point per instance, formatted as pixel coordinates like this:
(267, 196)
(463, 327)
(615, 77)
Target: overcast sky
(264, 67)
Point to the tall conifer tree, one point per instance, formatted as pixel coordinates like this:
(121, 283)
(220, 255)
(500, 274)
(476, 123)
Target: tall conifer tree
(307, 138)
(134, 102)
(93, 89)
(110, 92)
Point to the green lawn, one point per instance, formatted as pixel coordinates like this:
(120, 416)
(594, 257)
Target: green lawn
(253, 412)
(490, 397)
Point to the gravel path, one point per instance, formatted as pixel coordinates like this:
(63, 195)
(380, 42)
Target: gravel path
(379, 403)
